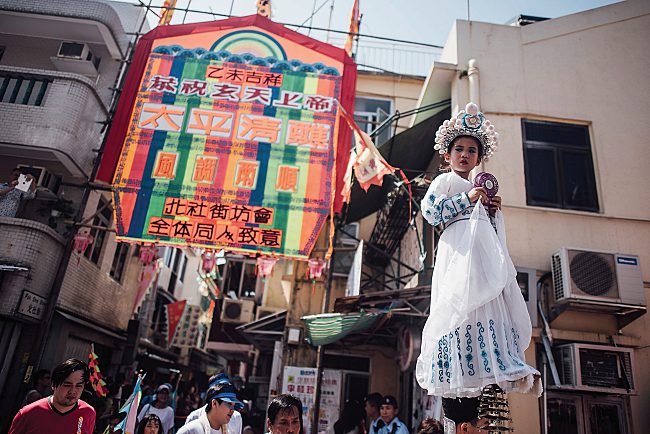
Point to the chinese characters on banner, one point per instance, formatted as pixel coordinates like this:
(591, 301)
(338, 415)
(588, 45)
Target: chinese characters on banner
(301, 382)
(230, 149)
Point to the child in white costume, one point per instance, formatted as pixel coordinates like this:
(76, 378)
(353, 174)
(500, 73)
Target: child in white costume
(478, 326)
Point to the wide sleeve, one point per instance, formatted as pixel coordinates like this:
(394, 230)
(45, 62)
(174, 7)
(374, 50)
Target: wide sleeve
(437, 206)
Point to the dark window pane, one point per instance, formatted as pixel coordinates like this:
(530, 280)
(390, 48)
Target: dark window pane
(559, 166)
(182, 277)
(119, 260)
(560, 134)
(541, 176)
(97, 247)
(604, 419)
(562, 416)
(249, 282)
(579, 183)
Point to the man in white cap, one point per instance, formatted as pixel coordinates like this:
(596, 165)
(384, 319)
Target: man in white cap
(161, 408)
(235, 424)
(221, 401)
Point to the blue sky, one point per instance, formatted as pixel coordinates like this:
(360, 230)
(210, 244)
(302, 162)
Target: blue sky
(427, 21)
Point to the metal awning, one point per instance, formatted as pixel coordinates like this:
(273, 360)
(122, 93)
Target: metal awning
(327, 328)
(263, 332)
(414, 302)
(412, 151)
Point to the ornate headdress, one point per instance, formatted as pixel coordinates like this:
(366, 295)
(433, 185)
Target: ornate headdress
(468, 122)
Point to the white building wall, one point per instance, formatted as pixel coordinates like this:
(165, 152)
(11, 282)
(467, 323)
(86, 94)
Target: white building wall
(589, 69)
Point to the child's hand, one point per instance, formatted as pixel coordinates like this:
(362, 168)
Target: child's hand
(494, 204)
(477, 193)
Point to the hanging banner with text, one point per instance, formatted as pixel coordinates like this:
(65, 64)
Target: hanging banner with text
(231, 141)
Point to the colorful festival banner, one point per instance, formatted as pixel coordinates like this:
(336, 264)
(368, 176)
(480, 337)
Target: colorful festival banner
(231, 139)
(95, 377)
(130, 408)
(174, 313)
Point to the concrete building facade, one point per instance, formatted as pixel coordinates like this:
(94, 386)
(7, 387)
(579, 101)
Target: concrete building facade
(59, 64)
(567, 97)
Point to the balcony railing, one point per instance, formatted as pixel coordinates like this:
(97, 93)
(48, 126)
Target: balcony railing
(23, 89)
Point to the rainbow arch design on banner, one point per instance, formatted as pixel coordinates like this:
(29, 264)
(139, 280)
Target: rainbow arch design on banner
(250, 41)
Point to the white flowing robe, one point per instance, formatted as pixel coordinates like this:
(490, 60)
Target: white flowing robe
(478, 325)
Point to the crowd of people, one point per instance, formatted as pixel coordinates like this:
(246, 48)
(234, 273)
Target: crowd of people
(55, 405)
(473, 287)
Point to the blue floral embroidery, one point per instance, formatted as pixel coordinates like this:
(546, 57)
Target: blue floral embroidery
(445, 357)
(460, 356)
(469, 357)
(518, 355)
(481, 345)
(439, 362)
(515, 337)
(496, 350)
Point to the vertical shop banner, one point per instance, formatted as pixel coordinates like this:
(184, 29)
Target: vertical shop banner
(173, 314)
(301, 382)
(231, 138)
(188, 328)
(330, 400)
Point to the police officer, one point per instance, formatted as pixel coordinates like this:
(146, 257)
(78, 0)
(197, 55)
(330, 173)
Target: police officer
(388, 422)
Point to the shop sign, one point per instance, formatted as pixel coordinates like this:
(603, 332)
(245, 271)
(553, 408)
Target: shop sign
(301, 382)
(32, 305)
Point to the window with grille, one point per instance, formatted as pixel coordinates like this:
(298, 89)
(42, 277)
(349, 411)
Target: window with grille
(369, 113)
(21, 89)
(101, 223)
(559, 166)
(240, 278)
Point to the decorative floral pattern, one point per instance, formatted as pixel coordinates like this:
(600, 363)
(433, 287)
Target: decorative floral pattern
(468, 122)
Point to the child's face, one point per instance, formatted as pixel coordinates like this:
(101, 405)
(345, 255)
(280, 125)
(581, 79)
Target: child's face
(463, 156)
(387, 412)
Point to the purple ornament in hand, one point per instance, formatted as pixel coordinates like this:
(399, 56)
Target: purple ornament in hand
(488, 182)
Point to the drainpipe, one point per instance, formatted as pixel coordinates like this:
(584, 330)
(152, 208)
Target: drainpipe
(474, 85)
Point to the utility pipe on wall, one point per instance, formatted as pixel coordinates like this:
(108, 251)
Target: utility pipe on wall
(474, 85)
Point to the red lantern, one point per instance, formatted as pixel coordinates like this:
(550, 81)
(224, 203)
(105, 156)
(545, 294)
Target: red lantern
(148, 254)
(316, 267)
(81, 242)
(265, 265)
(209, 260)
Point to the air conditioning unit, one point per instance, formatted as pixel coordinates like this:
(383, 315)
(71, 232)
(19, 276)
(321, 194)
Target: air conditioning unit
(346, 240)
(76, 57)
(263, 311)
(75, 50)
(597, 276)
(237, 311)
(595, 368)
(44, 178)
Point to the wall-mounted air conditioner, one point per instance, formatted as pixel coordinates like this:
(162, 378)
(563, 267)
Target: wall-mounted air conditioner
(237, 311)
(263, 311)
(595, 368)
(597, 276)
(43, 177)
(76, 57)
(74, 50)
